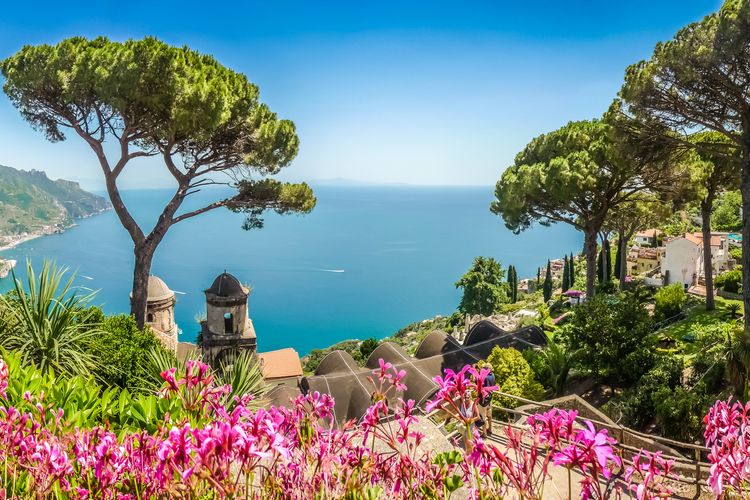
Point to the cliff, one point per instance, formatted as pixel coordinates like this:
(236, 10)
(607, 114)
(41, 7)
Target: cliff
(32, 203)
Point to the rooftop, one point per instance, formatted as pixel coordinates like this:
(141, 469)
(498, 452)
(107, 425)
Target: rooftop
(282, 363)
(158, 290)
(697, 238)
(648, 233)
(226, 285)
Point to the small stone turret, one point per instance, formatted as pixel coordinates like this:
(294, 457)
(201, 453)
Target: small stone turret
(227, 329)
(160, 312)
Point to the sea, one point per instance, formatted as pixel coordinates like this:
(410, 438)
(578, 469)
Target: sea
(365, 263)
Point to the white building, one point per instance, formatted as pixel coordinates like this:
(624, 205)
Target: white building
(683, 259)
(647, 238)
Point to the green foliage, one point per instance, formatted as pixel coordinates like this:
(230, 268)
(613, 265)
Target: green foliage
(609, 335)
(84, 402)
(573, 175)
(483, 289)
(127, 351)
(49, 325)
(244, 376)
(736, 253)
(566, 281)
(638, 404)
(559, 363)
(679, 412)
(618, 262)
(547, 285)
(30, 200)
(152, 99)
(726, 212)
(729, 281)
(679, 224)
(514, 376)
(669, 301)
(313, 359)
(734, 309)
(367, 346)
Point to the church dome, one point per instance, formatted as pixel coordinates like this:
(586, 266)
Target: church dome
(226, 285)
(158, 290)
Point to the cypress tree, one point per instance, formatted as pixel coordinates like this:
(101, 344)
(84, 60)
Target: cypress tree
(513, 282)
(572, 272)
(618, 261)
(547, 287)
(566, 275)
(604, 271)
(538, 275)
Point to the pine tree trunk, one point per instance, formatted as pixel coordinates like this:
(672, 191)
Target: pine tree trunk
(144, 254)
(622, 245)
(707, 258)
(745, 189)
(589, 245)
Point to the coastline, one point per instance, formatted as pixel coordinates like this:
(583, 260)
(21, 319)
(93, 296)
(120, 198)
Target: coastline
(28, 237)
(16, 240)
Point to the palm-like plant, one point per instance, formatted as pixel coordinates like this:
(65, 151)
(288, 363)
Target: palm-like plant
(559, 363)
(734, 309)
(49, 325)
(243, 374)
(738, 362)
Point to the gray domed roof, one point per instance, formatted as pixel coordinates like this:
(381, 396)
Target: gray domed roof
(158, 290)
(226, 285)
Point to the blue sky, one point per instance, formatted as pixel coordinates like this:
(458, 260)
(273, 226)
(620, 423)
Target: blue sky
(386, 92)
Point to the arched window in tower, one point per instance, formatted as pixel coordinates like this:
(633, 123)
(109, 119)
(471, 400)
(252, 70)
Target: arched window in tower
(228, 323)
(150, 318)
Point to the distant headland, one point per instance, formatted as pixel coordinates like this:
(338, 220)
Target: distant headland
(33, 205)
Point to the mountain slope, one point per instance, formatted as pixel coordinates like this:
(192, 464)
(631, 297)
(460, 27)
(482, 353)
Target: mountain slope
(30, 202)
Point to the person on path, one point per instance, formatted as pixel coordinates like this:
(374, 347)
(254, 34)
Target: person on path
(485, 403)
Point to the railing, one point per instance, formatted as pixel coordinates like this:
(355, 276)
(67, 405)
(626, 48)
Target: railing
(693, 470)
(666, 322)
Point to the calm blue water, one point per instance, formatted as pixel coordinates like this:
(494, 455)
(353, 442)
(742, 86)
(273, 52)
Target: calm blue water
(401, 251)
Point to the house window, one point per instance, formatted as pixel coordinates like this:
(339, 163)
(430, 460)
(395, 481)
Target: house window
(228, 323)
(150, 318)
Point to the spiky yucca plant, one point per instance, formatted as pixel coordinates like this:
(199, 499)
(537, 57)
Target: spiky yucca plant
(50, 324)
(242, 373)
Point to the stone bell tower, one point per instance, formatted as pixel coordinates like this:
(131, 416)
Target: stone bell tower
(227, 329)
(160, 312)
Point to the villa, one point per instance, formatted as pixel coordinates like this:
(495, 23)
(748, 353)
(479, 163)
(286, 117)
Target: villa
(683, 258)
(648, 237)
(643, 260)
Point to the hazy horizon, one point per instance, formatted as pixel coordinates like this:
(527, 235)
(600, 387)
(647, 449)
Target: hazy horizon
(417, 94)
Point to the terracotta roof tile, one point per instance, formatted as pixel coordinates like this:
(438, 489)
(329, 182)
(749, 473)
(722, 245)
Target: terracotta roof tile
(282, 363)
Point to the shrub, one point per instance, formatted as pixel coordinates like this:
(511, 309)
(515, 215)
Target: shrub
(736, 253)
(484, 291)
(312, 360)
(638, 404)
(679, 412)
(669, 300)
(730, 281)
(514, 376)
(604, 331)
(127, 350)
(367, 346)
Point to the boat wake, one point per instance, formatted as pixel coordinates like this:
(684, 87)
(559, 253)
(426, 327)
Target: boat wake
(332, 270)
(86, 277)
(179, 293)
